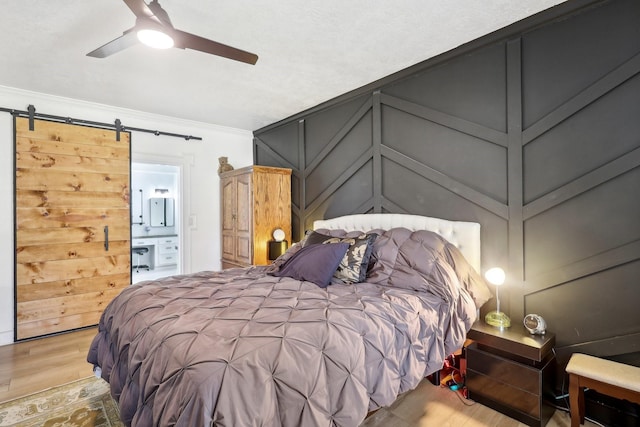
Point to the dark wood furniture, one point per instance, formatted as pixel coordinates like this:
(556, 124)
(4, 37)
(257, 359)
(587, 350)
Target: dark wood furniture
(511, 371)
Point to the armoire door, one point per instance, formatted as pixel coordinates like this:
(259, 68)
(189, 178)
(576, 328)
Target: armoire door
(244, 219)
(237, 214)
(228, 190)
(73, 224)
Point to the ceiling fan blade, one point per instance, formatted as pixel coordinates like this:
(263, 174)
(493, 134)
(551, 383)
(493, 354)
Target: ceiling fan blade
(139, 8)
(160, 14)
(185, 40)
(127, 39)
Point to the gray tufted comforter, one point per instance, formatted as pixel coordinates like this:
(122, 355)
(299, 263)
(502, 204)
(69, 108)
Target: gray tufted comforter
(243, 348)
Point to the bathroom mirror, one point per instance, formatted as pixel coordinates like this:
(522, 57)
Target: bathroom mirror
(136, 207)
(161, 212)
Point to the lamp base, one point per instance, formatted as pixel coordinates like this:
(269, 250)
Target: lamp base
(276, 248)
(497, 319)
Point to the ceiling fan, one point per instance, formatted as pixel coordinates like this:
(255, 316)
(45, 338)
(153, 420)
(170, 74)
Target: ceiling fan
(154, 28)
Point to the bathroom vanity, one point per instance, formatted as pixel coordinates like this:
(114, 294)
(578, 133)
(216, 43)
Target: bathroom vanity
(163, 251)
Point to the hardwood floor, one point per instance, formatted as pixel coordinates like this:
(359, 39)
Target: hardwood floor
(31, 366)
(428, 406)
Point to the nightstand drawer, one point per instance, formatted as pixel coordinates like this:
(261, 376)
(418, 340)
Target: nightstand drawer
(505, 371)
(480, 385)
(509, 385)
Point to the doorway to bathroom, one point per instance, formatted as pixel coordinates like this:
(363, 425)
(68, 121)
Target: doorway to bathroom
(155, 221)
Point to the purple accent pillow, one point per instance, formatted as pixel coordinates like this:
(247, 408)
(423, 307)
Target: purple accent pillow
(314, 263)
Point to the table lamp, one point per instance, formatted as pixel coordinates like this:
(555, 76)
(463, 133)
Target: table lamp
(278, 245)
(496, 318)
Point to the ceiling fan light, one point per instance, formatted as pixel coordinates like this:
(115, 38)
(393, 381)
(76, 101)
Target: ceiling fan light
(154, 38)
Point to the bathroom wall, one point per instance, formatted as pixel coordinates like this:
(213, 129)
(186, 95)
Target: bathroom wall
(147, 178)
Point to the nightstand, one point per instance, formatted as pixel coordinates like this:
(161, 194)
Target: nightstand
(511, 371)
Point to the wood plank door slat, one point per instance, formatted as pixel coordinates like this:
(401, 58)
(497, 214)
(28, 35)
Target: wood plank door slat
(42, 236)
(61, 288)
(41, 146)
(44, 217)
(59, 324)
(53, 131)
(29, 179)
(57, 199)
(67, 305)
(49, 271)
(65, 251)
(70, 163)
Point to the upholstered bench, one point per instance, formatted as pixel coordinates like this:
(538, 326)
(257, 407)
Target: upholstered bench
(605, 376)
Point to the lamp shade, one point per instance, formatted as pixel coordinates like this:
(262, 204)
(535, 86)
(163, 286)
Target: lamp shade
(278, 235)
(495, 276)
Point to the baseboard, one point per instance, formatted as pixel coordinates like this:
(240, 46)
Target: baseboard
(6, 337)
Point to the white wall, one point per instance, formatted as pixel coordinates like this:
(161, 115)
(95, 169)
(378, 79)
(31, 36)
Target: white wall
(198, 159)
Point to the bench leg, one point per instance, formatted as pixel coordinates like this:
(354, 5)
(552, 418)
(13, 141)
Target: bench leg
(576, 400)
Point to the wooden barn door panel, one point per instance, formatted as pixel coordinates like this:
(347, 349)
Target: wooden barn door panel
(71, 182)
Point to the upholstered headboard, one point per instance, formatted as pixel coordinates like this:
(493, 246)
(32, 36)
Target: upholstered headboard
(464, 235)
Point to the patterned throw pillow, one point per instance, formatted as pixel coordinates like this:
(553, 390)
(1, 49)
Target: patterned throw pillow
(354, 264)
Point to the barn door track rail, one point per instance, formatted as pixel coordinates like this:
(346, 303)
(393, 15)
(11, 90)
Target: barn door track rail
(116, 125)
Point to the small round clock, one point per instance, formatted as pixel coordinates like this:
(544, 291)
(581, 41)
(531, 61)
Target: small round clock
(535, 324)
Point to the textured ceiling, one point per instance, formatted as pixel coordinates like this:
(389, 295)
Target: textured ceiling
(309, 51)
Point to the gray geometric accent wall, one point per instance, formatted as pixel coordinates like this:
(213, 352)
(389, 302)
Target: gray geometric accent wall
(532, 131)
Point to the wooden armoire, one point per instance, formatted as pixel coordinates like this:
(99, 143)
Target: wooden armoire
(256, 200)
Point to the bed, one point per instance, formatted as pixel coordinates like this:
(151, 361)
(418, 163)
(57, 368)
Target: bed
(357, 313)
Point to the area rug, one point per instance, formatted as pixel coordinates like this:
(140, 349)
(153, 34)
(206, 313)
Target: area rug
(82, 403)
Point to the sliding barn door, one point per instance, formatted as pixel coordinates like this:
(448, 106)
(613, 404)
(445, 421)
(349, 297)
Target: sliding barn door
(72, 224)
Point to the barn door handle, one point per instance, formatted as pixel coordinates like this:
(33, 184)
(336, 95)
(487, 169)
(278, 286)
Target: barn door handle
(106, 237)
